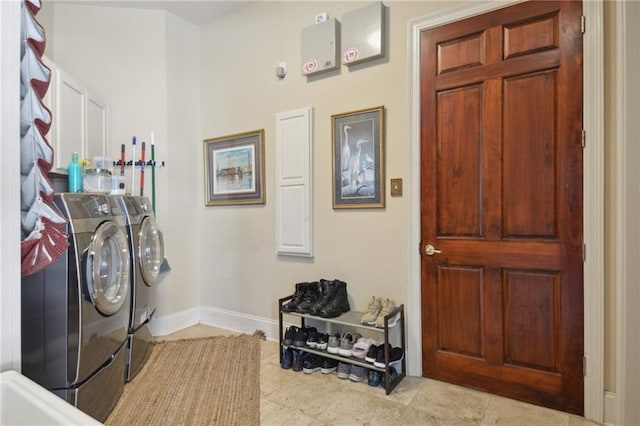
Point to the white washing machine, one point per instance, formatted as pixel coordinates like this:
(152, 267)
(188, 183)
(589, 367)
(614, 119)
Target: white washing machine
(147, 255)
(75, 313)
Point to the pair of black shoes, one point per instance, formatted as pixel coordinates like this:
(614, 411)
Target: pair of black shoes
(327, 299)
(375, 355)
(308, 363)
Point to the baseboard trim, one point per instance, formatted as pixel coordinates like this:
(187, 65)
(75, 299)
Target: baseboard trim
(167, 324)
(611, 417)
(215, 317)
(237, 321)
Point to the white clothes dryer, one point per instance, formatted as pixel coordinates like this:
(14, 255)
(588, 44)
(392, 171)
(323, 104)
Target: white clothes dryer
(146, 246)
(75, 313)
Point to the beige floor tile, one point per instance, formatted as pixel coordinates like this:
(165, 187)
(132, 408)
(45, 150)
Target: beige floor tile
(291, 398)
(450, 404)
(507, 412)
(272, 413)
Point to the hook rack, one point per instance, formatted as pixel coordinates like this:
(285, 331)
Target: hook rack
(139, 163)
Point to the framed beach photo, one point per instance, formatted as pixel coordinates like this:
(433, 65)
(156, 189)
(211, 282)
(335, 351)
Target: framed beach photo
(358, 159)
(234, 169)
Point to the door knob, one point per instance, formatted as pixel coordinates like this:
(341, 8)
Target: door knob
(430, 250)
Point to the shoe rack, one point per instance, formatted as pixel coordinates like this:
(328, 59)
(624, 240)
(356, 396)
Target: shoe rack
(351, 320)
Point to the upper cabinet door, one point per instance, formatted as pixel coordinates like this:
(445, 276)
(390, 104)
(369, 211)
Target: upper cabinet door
(96, 127)
(69, 116)
(80, 119)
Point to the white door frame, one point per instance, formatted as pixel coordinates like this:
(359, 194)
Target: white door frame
(627, 410)
(10, 185)
(593, 184)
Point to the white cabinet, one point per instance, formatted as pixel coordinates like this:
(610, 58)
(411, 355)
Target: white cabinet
(80, 118)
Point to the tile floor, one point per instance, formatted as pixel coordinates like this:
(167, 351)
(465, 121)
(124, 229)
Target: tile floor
(290, 398)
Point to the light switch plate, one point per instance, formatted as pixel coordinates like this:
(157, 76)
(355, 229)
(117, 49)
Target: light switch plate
(396, 187)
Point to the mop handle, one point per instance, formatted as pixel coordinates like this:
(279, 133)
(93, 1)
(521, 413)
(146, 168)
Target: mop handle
(142, 161)
(133, 170)
(153, 174)
(122, 148)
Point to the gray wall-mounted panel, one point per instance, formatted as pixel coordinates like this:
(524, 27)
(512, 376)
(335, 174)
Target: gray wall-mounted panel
(320, 47)
(363, 34)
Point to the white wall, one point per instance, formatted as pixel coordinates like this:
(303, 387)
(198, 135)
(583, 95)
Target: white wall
(179, 194)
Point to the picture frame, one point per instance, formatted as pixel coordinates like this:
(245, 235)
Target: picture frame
(358, 159)
(234, 169)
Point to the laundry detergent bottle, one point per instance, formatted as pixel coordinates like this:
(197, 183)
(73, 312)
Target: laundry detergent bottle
(75, 174)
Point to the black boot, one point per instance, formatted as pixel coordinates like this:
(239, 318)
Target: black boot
(311, 296)
(298, 297)
(328, 290)
(339, 304)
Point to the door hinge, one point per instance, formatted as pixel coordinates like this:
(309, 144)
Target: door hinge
(584, 253)
(584, 366)
(584, 138)
(583, 24)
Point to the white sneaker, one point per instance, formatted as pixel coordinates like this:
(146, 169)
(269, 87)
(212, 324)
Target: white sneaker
(388, 307)
(372, 312)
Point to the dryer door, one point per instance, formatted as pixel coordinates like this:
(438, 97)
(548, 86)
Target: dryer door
(108, 268)
(151, 250)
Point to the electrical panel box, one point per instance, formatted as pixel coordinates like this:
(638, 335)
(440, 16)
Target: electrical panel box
(363, 34)
(320, 47)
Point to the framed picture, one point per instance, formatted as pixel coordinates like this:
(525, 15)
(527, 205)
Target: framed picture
(234, 169)
(358, 159)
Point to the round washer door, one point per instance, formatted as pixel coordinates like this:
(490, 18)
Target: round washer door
(108, 267)
(150, 250)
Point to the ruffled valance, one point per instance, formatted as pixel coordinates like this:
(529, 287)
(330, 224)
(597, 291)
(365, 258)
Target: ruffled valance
(43, 238)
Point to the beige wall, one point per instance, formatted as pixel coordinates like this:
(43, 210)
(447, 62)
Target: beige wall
(146, 64)
(365, 248)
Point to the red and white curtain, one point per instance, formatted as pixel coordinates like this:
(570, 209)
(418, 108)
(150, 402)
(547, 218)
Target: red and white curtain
(43, 236)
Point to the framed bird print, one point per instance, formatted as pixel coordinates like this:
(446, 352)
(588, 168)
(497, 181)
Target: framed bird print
(358, 159)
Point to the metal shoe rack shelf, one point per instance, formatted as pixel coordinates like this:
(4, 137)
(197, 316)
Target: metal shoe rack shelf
(351, 319)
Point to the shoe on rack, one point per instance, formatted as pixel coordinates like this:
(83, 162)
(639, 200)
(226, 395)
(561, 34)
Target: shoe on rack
(375, 378)
(329, 365)
(347, 342)
(312, 339)
(393, 375)
(311, 364)
(361, 347)
(310, 297)
(298, 297)
(395, 354)
(290, 335)
(287, 358)
(333, 345)
(344, 369)
(323, 341)
(374, 350)
(375, 306)
(357, 373)
(298, 360)
(302, 335)
(339, 304)
(388, 307)
(327, 292)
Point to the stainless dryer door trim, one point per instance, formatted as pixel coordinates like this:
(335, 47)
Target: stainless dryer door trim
(150, 251)
(108, 268)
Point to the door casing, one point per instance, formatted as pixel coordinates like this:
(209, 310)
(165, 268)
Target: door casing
(593, 75)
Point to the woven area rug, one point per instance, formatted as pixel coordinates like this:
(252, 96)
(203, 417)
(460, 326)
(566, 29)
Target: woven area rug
(207, 381)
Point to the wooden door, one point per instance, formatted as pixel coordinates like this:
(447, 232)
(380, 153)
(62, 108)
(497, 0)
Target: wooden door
(501, 199)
